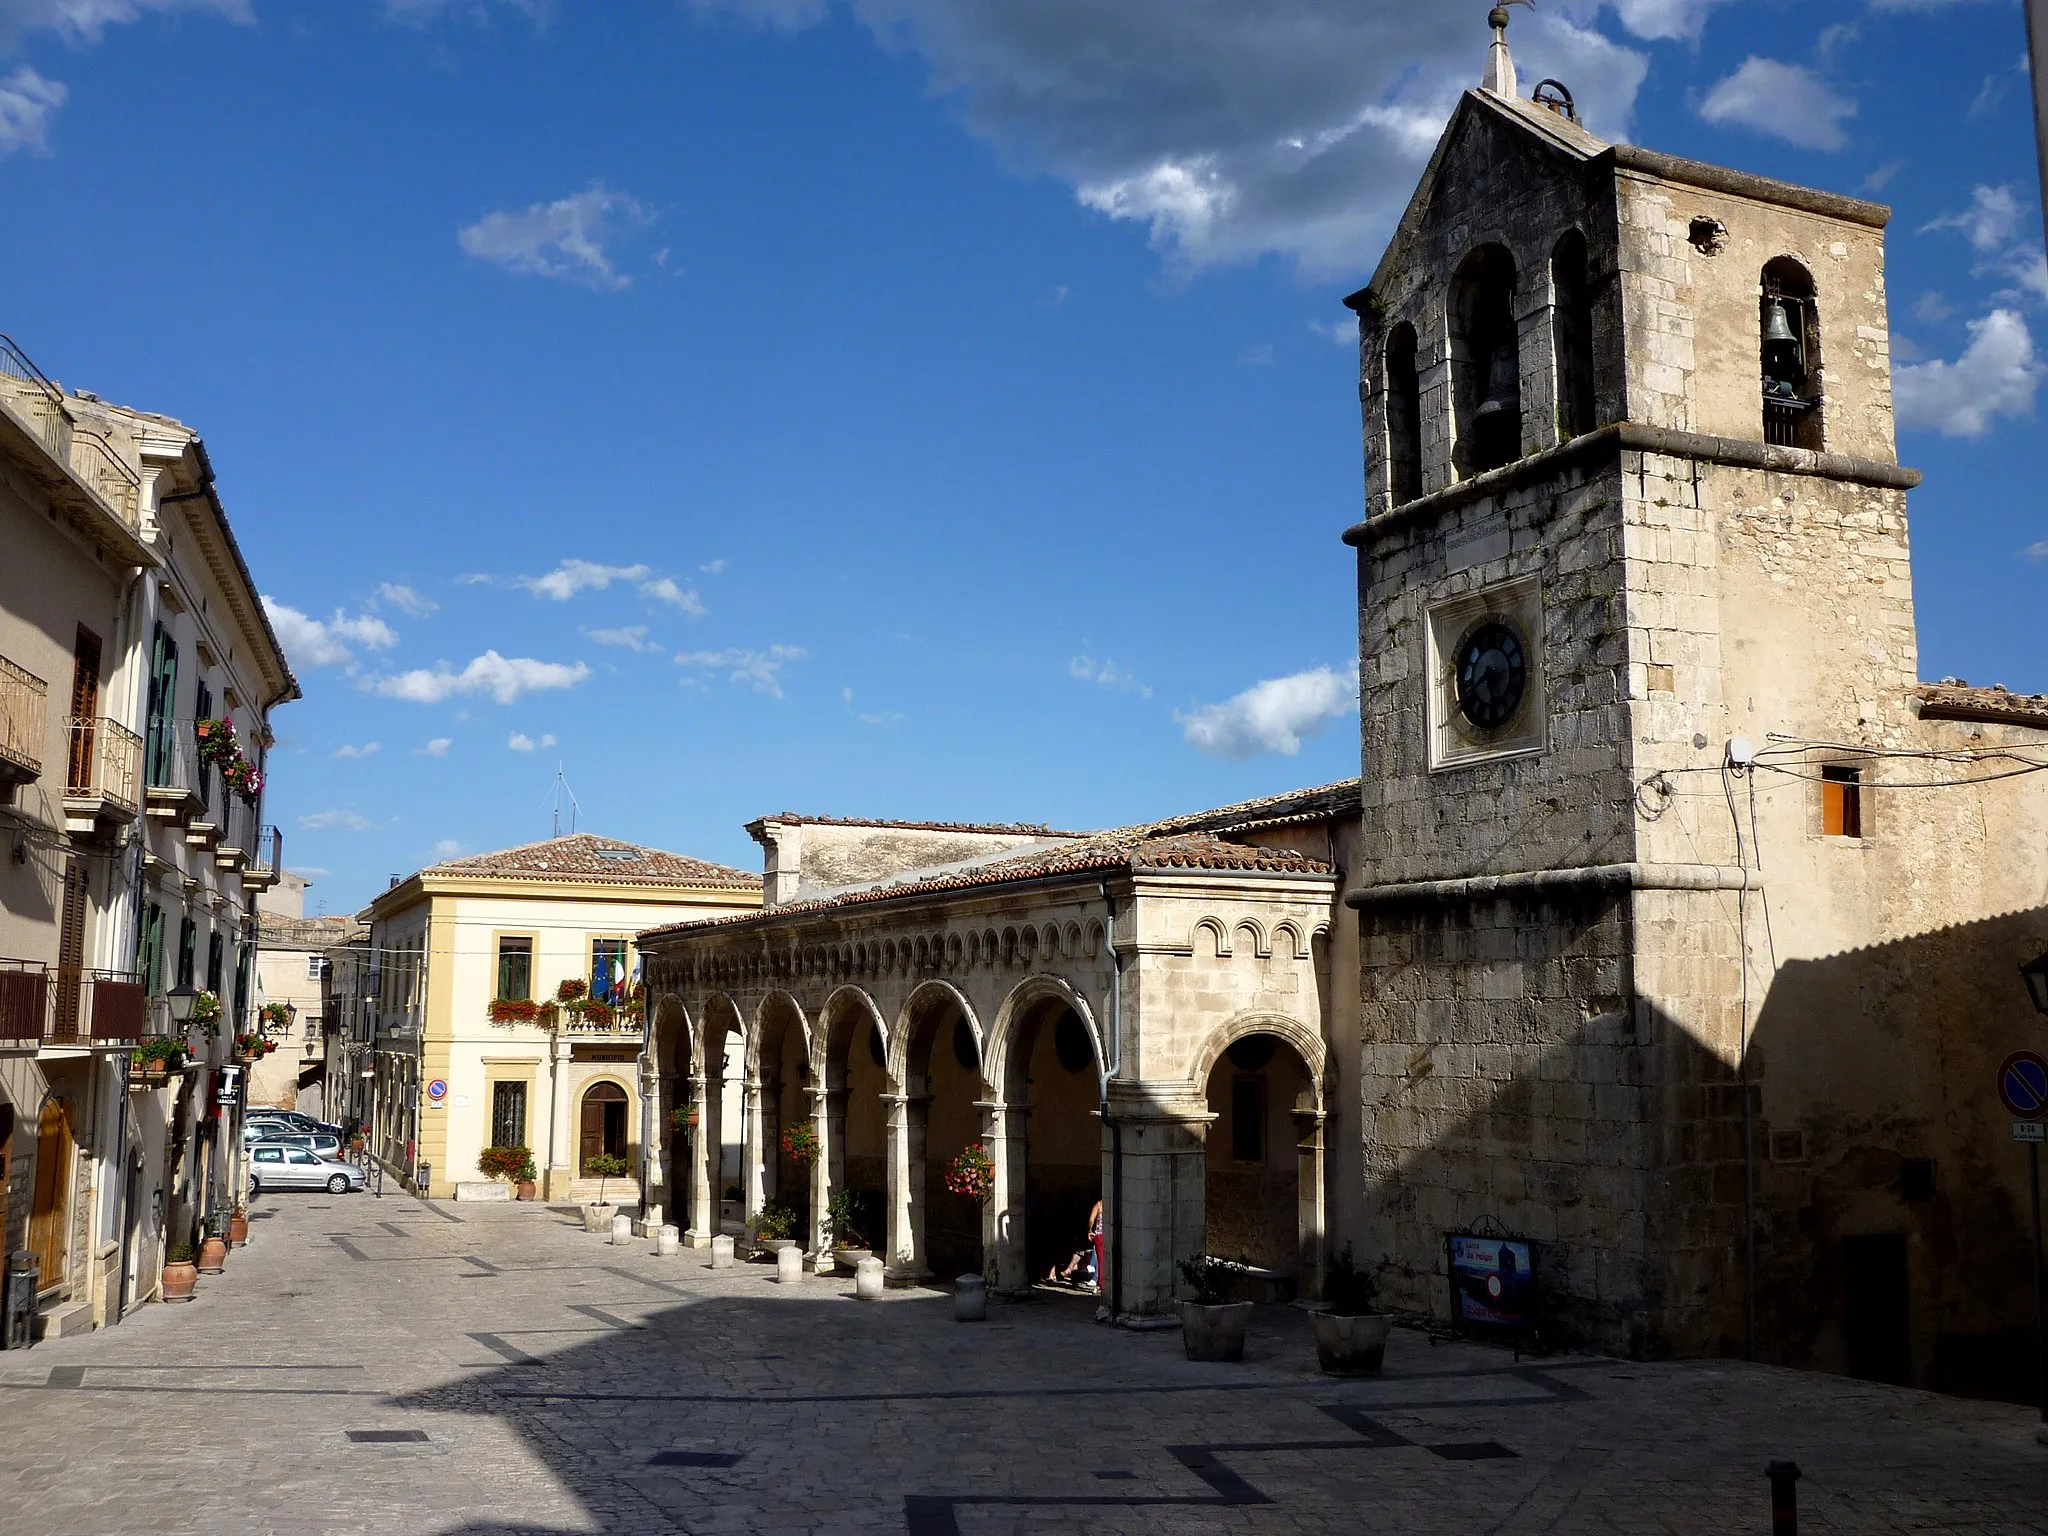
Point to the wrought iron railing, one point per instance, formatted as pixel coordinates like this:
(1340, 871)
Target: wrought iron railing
(70, 1005)
(1785, 422)
(23, 700)
(30, 395)
(170, 757)
(267, 856)
(94, 462)
(106, 760)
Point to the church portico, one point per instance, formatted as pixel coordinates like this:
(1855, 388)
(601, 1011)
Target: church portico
(1064, 1009)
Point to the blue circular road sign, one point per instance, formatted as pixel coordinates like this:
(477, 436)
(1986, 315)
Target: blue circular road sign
(2023, 1084)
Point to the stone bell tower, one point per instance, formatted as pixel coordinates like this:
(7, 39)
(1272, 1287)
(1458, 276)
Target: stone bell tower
(1631, 497)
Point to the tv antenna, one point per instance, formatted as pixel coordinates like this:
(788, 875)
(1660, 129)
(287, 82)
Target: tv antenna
(564, 792)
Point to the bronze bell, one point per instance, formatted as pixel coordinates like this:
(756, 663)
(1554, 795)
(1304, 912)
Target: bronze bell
(1777, 324)
(1503, 385)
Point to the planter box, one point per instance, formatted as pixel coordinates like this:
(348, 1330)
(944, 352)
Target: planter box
(1214, 1333)
(1266, 1287)
(1352, 1346)
(483, 1189)
(775, 1244)
(598, 1218)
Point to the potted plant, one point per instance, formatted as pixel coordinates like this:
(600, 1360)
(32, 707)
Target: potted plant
(206, 1013)
(842, 1220)
(776, 1227)
(238, 1227)
(1210, 1327)
(213, 1252)
(181, 1275)
(157, 1058)
(1351, 1333)
(597, 1216)
(526, 1181)
(513, 1010)
(512, 1164)
(800, 1142)
(684, 1118)
(252, 1047)
(972, 1173)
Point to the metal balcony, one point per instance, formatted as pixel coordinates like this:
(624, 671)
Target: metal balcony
(94, 462)
(24, 700)
(103, 785)
(70, 1006)
(29, 395)
(266, 861)
(170, 765)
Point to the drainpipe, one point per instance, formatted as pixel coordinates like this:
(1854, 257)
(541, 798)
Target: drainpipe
(554, 1101)
(1116, 1128)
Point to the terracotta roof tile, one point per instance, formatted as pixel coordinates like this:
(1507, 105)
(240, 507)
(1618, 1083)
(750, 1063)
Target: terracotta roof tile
(583, 856)
(992, 828)
(1953, 699)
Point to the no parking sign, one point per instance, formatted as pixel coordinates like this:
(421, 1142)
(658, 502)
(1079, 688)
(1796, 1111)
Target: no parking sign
(2023, 1084)
(437, 1090)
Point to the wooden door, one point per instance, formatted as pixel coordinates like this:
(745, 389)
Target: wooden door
(71, 950)
(85, 706)
(592, 1139)
(49, 1214)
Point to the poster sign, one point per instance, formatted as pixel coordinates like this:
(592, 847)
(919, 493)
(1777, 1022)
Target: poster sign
(1493, 1282)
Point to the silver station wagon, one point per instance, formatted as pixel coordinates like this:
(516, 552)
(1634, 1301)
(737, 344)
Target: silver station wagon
(274, 1166)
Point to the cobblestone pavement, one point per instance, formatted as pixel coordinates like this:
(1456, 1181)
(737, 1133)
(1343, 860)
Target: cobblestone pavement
(390, 1365)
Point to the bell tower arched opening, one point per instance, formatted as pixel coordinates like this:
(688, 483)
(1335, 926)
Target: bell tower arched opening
(1789, 351)
(1404, 416)
(1486, 362)
(1571, 320)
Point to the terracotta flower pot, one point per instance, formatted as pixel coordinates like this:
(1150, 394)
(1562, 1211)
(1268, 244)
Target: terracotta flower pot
(1214, 1333)
(180, 1279)
(238, 1230)
(1351, 1346)
(213, 1256)
(526, 1190)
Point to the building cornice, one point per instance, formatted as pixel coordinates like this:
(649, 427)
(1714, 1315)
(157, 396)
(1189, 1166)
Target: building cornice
(1538, 883)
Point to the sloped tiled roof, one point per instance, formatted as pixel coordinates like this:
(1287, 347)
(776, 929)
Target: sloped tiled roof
(584, 856)
(1953, 699)
(990, 828)
(1147, 848)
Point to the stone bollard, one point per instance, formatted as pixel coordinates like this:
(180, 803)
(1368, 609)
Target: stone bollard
(867, 1279)
(789, 1265)
(668, 1241)
(622, 1231)
(970, 1300)
(721, 1253)
(1784, 1476)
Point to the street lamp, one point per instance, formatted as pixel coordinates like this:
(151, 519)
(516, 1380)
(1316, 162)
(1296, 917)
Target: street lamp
(2035, 974)
(183, 998)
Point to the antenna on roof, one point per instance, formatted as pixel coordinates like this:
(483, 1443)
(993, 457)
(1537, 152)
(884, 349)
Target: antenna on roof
(562, 791)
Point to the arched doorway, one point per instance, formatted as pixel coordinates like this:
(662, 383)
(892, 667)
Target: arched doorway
(782, 1070)
(723, 1114)
(1051, 1091)
(48, 1226)
(1262, 1185)
(937, 1232)
(856, 1130)
(671, 1130)
(601, 1125)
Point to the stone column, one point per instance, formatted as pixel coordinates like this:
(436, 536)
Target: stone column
(1308, 1197)
(653, 1121)
(752, 1151)
(1002, 1229)
(562, 1128)
(829, 1127)
(908, 1114)
(703, 1210)
(1162, 1216)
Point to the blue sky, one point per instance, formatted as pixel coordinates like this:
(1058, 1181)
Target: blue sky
(929, 408)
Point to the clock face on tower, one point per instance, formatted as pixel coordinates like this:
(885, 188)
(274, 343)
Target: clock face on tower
(1492, 675)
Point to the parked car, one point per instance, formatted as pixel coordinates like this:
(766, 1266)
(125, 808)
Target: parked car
(275, 1166)
(263, 1127)
(313, 1141)
(303, 1122)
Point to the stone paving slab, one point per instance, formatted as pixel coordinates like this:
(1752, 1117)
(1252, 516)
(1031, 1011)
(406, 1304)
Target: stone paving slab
(562, 1384)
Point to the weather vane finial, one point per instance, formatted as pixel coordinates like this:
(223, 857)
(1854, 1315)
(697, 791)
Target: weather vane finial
(1500, 64)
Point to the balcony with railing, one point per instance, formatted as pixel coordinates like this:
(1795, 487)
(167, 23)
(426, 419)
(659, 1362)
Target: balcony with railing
(266, 860)
(170, 769)
(103, 784)
(94, 462)
(206, 825)
(30, 396)
(24, 698)
(70, 1006)
(239, 831)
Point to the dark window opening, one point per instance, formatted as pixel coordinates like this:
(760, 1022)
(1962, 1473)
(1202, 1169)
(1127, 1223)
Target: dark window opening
(1248, 1119)
(1790, 344)
(1916, 1178)
(1404, 416)
(1486, 362)
(216, 963)
(1841, 801)
(508, 1114)
(1572, 336)
(515, 972)
(1877, 1307)
(188, 943)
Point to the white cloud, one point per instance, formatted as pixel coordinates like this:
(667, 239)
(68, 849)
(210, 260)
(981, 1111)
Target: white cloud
(503, 678)
(1235, 131)
(85, 21)
(713, 568)
(1995, 376)
(2038, 553)
(1107, 674)
(1989, 223)
(447, 848)
(310, 642)
(888, 717)
(663, 589)
(563, 239)
(630, 639)
(438, 747)
(520, 742)
(1784, 101)
(407, 601)
(1271, 716)
(328, 821)
(1342, 333)
(421, 13)
(760, 670)
(573, 576)
(27, 103)
(367, 749)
